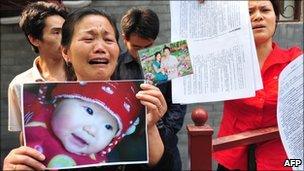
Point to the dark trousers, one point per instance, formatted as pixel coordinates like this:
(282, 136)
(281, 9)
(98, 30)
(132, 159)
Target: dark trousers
(251, 160)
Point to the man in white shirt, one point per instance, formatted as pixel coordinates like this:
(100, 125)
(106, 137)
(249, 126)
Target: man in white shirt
(44, 35)
(41, 23)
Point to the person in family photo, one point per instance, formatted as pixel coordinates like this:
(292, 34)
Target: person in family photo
(169, 63)
(160, 75)
(81, 126)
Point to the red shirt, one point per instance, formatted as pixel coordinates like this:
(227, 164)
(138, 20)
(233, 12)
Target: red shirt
(257, 112)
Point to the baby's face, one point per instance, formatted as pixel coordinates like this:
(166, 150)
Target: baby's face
(83, 127)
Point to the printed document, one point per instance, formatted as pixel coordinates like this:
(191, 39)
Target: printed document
(222, 50)
(290, 109)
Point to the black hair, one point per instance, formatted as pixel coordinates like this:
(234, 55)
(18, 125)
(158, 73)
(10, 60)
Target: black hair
(75, 17)
(141, 21)
(166, 47)
(156, 53)
(276, 8)
(33, 18)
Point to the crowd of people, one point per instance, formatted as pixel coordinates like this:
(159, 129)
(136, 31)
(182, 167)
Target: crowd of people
(83, 46)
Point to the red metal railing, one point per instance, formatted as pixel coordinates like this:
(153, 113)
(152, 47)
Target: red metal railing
(201, 145)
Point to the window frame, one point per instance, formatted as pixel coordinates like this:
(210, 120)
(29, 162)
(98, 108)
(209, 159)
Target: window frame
(297, 9)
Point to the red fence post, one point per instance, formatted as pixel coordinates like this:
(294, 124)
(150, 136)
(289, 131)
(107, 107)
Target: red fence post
(200, 141)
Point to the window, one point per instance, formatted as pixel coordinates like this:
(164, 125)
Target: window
(291, 10)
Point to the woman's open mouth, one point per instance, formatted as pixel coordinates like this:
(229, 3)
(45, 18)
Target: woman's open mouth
(258, 27)
(94, 61)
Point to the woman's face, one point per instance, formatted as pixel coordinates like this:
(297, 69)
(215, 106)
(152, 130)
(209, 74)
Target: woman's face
(166, 52)
(263, 20)
(83, 127)
(94, 50)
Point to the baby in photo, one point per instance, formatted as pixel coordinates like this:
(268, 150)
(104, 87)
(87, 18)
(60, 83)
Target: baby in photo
(83, 123)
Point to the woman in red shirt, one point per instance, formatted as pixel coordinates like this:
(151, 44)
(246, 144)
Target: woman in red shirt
(259, 111)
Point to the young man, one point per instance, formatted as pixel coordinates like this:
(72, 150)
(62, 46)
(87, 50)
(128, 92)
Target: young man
(41, 23)
(140, 28)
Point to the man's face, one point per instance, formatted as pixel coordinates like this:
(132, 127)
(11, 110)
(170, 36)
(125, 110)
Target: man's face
(135, 43)
(50, 44)
(83, 127)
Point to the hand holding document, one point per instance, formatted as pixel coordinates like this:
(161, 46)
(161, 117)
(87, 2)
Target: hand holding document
(222, 50)
(290, 109)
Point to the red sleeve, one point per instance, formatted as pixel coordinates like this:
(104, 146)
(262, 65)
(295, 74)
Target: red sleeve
(295, 52)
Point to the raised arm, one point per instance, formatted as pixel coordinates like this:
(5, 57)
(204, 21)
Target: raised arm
(152, 98)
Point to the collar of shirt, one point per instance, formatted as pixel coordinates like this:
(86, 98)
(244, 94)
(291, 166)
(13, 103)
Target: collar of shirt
(36, 73)
(128, 68)
(277, 56)
(127, 58)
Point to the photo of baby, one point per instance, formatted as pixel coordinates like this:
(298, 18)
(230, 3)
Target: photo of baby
(79, 124)
(166, 62)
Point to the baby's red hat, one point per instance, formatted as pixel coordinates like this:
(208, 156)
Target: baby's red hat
(116, 98)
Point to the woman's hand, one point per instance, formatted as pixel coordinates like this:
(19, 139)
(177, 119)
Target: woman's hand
(24, 158)
(151, 97)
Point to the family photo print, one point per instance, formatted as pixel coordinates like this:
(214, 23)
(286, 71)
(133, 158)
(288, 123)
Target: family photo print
(166, 62)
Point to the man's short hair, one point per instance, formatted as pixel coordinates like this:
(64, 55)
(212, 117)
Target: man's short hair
(33, 18)
(141, 21)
